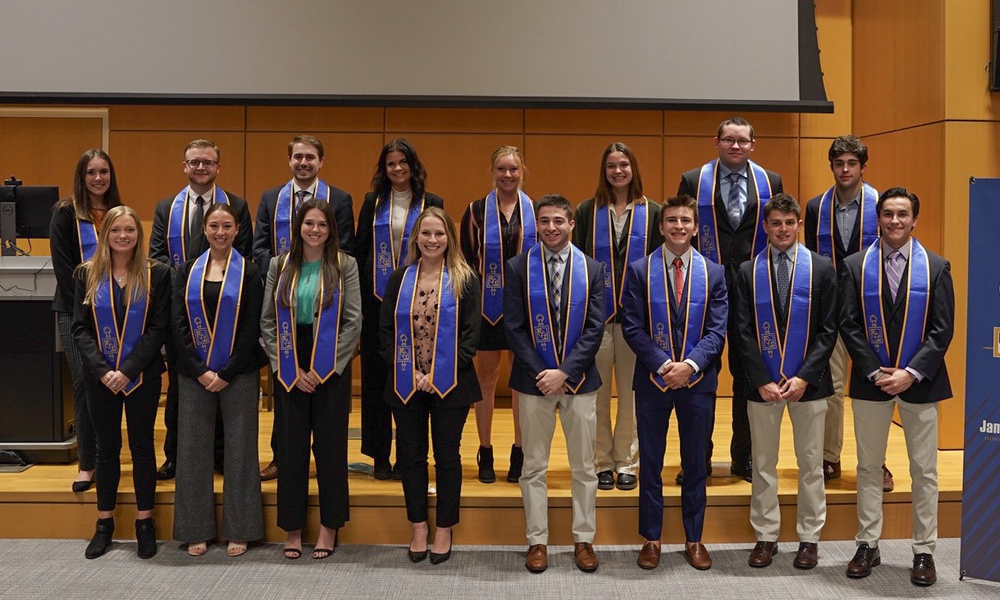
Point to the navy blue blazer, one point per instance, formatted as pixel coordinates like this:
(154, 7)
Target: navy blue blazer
(649, 355)
(527, 363)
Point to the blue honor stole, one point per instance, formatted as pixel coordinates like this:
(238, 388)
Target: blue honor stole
(917, 304)
(825, 217)
(86, 233)
(326, 329)
(708, 236)
(215, 344)
(386, 255)
(576, 300)
(783, 358)
(444, 367)
(284, 216)
(177, 224)
(492, 256)
(695, 310)
(117, 344)
(604, 250)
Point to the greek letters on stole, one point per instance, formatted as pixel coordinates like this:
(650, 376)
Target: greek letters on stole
(86, 233)
(604, 250)
(708, 234)
(783, 357)
(492, 255)
(117, 344)
(868, 226)
(386, 255)
(326, 329)
(284, 215)
(444, 367)
(695, 309)
(177, 224)
(214, 343)
(576, 300)
(917, 302)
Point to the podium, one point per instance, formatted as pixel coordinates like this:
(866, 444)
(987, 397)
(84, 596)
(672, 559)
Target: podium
(36, 389)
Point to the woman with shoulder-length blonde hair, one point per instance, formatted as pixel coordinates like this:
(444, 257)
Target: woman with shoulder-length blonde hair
(617, 226)
(494, 229)
(120, 321)
(310, 322)
(429, 332)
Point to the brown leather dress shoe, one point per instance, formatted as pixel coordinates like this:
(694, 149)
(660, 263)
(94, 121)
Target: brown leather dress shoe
(649, 556)
(586, 558)
(697, 555)
(887, 483)
(864, 559)
(807, 557)
(761, 554)
(269, 472)
(536, 559)
(923, 573)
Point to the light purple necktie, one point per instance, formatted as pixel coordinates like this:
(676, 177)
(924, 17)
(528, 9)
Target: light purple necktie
(894, 264)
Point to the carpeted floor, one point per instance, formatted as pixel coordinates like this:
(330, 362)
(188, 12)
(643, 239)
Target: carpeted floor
(56, 569)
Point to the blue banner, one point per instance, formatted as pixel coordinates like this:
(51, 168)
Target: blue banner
(981, 485)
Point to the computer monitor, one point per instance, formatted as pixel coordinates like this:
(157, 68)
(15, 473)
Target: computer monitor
(25, 211)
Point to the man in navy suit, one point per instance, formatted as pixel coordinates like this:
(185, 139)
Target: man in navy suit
(897, 317)
(786, 303)
(554, 316)
(276, 213)
(675, 318)
(731, 191)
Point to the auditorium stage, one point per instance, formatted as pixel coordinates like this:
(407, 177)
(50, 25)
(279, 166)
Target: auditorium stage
(38, 503)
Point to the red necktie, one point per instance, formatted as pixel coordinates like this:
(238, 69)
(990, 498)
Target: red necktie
(678, 279)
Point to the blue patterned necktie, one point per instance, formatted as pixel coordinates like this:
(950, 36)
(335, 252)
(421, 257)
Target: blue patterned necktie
(783, 279)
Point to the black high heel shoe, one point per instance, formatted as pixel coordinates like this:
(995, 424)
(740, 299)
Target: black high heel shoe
(437, 559)
(101, 541)
(145, 536)
(415, 555)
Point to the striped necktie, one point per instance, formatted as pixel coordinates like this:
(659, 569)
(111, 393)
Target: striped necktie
(894, 264)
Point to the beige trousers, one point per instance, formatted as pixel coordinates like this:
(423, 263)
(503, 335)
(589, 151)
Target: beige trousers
(833, 434)
(617, 449)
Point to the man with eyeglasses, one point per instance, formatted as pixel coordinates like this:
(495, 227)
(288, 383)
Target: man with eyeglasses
(731, 191)
(276, 213)
(178, 235)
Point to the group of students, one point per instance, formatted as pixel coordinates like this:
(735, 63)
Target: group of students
(566, 295)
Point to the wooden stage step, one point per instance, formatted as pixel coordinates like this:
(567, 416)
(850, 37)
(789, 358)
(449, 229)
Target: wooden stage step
(38, 503)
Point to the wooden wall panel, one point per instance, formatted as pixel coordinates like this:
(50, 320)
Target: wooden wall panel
(967, 52)
(177, 118)
(453, 120)
(44, 150)
(696, 123)
(149, 164)
(815, 176)
(610, 122)
(833, 20)
(881, 171)
(873, 88)
(313, 119)
(919, 168)
(571, 164)
(920, 63)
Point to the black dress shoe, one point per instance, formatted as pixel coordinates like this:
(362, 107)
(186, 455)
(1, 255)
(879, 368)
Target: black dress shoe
(382, 470)
(82, 486)
(606, 480)
(626, 482)
(743, 471)
(484, 459)
(397, 472)
(145, 537)
(101, 541)
(167, 470)
(679, 480)
(437, 559)
(864, 559)
(923, 573)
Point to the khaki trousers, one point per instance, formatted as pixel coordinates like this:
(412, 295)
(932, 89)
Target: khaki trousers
(617, 449)
(538, 423)
(871, 428)
(833, 434)
(807, 430)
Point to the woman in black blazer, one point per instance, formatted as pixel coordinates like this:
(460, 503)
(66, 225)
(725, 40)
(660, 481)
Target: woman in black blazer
(95, 190)
(384, 226)
(429, 333)
(216, 317)
(121, 318)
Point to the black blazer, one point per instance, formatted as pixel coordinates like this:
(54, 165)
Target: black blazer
(64, 246)
(248, 355)
(467, 390)
(145, 358)
(735, 246)
(822, 330)
(812, 220)
(929, 359)
(370, 305)
(527, 363)
(263, 237)
(161, 215)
